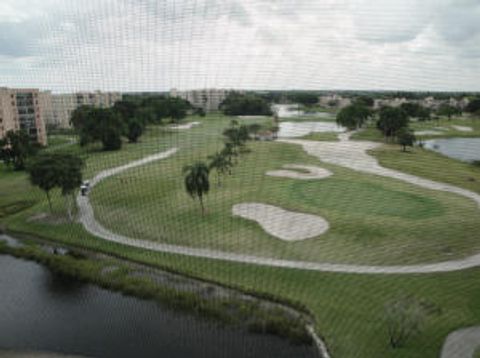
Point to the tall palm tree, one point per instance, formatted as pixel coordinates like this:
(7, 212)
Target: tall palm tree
(221, 163)
(196, 181)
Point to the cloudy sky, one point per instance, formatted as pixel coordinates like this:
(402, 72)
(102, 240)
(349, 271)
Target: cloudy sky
(147, 45)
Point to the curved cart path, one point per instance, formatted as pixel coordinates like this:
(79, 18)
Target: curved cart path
(461, 343)
(370, 165)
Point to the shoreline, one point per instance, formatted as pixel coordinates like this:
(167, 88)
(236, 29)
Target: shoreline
(208, 300)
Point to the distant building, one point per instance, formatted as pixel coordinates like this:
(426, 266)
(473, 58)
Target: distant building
(59, 107)
(207, 99)
(20, 109)
(389, 102)
(334, 100)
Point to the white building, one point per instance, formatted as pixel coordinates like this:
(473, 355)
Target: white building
(207, 99)
(59, 107)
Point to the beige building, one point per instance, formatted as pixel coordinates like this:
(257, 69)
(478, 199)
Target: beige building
(334, 100)
(59, 113)
(207, 99)
(20, 109)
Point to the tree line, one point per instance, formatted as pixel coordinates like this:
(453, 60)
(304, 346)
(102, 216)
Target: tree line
(127, 118)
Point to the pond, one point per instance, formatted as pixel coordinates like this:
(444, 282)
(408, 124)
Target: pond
(464, 149)
(40, 311)
(292, 111)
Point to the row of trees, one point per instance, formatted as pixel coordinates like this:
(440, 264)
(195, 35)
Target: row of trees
(238, 104)
(126, 118)
(197, 182)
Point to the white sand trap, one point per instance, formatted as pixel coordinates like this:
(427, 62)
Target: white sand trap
(185, 126)
(313, 172)
(428, 132)
(462, 128)
(283, 224)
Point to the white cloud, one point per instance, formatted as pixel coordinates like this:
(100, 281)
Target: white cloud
(154, 45)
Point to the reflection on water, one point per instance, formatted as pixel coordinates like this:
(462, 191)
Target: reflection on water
(40, 311)
(464, 149)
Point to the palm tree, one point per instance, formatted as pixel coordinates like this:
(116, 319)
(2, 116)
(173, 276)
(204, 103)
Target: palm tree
(196, 181)
(221, 163)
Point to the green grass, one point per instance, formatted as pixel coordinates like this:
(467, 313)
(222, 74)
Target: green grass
(374, 220)
(348, 308)
(370, 132)
(431, 165)
(59, 139)
(322, 136)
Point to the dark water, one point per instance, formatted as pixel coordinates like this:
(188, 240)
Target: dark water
(464, 149)
(40, 311)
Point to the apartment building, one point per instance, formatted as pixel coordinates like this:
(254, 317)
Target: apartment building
(20, 109)
(334, 100)
(62, 105)
(207, 99)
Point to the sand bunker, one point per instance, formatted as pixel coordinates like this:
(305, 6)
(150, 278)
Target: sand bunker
(283, 224)
(462, 128)
(185, 126)
(428, 132)
(312, 172)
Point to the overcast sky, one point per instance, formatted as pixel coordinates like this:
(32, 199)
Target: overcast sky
(146, 45)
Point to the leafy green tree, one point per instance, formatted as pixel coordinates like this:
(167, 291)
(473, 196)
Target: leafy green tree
(303, 97)
(391, 119)
(16, 148)
(448, 111)
(99, 124)
(43, 173)
(52, 170)
(424, 114)
(110, 128)
(353, 116)
(237, 104)
(126, 109)
(473, 106)
(405, 137)
(411, 109)
(365, 101)
(197, 183)
(134, 129)
(69, 177)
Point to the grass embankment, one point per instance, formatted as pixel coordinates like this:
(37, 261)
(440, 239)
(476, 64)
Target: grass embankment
(349, 308)
(119, 276)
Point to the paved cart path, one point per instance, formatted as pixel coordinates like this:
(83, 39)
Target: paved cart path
(461, 343)
(87, 218)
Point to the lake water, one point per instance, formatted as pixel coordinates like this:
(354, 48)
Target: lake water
(41, 311)
(291, 111)
(464, 149)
